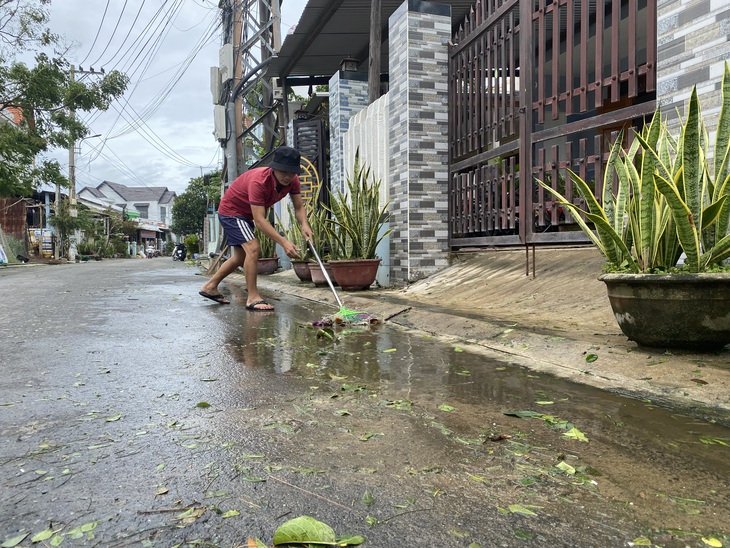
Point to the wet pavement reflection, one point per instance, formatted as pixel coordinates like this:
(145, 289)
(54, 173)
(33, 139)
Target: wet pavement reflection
(660, 462)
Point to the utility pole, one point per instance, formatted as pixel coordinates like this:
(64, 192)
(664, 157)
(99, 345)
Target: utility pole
(254, 27)
(72, 148)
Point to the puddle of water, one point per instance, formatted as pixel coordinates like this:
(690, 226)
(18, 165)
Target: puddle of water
(672, 468)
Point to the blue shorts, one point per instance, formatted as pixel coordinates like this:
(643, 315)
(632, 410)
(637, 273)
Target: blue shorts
(239, 230)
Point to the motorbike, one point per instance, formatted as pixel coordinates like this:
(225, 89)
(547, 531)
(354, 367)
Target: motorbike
(179, 252)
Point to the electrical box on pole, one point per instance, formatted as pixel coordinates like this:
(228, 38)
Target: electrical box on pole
(219, 120)
(215, 85)
(226, 63)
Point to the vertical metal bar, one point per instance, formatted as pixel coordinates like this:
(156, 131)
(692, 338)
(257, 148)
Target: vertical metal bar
(526, 58)
(503, 81)
(599, 53)
(633, 37)
(512, 73)
(556, 60)
(651, 45)
(598, 165)
(615, 49)
(584, 8)
(554, 182)
(569, 31)
(540, 60)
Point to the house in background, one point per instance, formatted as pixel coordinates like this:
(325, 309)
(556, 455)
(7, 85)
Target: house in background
(151, 206)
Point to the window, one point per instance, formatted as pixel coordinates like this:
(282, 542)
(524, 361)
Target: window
(143, 209)
(163, 213)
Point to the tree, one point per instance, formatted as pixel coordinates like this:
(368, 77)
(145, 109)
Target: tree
(65, 223)
(42, 97)
(191, 207)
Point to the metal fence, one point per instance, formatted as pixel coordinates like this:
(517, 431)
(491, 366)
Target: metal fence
(538, 87)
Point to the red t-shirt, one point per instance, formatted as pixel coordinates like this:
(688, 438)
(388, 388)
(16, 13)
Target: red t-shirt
(256, 186)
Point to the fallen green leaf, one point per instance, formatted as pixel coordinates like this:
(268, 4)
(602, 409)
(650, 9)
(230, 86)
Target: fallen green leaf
(590, 358)
(565, 467)
(113, 418)
(519, 509)
(642, 541)
(13, 542)
(43, 535)
(712, 541)
(389, 350)
(230, 514)
(575, 434)
(302, 530)
(202, 404)
(447, 408)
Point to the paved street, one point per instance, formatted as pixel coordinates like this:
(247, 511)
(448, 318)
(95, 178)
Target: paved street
(134, 412)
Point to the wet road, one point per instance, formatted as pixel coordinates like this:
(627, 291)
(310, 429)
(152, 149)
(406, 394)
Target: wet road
(134, 412)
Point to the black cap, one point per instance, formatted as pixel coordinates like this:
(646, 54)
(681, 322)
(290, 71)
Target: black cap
(287, 159)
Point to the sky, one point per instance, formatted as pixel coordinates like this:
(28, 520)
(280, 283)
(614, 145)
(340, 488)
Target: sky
(161, 132)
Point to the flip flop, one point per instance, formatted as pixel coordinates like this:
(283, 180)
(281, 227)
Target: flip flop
(220, 299)
(253, 305)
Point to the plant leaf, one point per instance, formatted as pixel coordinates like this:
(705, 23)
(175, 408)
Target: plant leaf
(304, 529)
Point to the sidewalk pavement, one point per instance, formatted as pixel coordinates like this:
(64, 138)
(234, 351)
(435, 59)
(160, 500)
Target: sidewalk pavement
(558, 321)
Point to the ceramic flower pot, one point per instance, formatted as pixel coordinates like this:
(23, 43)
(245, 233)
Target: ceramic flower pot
(301, 269)
(689, 311)
(318, 278)
(268, 265)
(355, 274)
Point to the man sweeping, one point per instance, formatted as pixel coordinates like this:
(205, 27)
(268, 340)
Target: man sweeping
(243, 207)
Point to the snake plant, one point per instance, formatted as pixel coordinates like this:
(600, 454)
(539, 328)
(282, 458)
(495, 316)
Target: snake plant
(669, 199)
(268, 246)
(358, 216)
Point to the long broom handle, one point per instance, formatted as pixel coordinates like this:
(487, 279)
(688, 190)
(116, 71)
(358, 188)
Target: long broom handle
(324, 271)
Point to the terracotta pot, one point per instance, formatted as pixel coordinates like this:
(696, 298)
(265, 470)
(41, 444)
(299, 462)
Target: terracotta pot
(318, 278)
(301, 269)
(268, 265)
(689, 311)
(355, 274)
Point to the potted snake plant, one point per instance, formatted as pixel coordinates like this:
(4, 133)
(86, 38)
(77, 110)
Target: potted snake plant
(268, 261)
(293, 233)
(358, 224)
(664, 231)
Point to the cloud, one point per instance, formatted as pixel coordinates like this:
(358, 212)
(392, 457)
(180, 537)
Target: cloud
(161, 132)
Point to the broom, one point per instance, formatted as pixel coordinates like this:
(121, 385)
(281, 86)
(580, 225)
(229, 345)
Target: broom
(346, 314)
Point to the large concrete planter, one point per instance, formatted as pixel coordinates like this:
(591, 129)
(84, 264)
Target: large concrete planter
(355, 274)
(690, 311)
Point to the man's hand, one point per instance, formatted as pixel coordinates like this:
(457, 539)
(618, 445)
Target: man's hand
(307, 233)
(291, 250)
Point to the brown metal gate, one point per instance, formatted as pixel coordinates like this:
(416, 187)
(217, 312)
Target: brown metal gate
(550, 94)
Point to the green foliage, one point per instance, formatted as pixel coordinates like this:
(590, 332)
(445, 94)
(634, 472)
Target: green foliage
(190, 207)
(45, 96)
(12, 247)
(65, 224)
(357, 215)
(293, 233)
(668, 200)
(192, 242)
(268, 246)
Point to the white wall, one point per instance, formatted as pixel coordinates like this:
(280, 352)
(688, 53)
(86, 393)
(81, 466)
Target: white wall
(369, 132)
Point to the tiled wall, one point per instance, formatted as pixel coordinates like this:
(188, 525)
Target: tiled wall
(418, 66)
(348, 94)
(693, 41)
